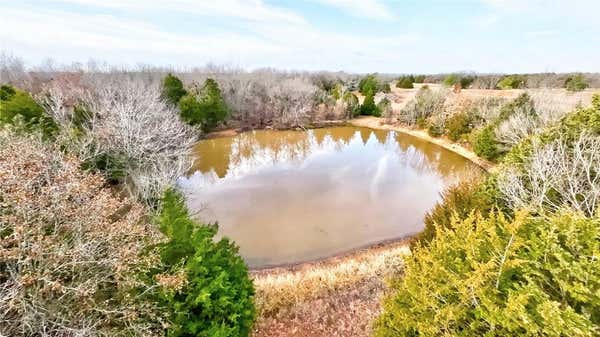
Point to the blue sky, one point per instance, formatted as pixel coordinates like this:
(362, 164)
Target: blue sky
(413, 36)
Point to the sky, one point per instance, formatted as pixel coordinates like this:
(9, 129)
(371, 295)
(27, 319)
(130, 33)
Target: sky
(359, 36)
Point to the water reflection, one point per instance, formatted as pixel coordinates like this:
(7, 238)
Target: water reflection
(289, 196)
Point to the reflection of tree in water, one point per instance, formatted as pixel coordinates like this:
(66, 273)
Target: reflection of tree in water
(260, 150)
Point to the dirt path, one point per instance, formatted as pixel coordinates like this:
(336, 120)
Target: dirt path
(378, 123)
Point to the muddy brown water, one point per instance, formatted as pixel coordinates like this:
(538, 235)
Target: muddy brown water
(293, 196)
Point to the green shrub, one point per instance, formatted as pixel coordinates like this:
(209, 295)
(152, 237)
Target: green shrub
(368, 84)
(569, 128)
(385, 88)
(81, 117)
(511, 82)
(6, 92)
(491, 276)
(523, 103)
(208, 291)
(582, 119)
(368, 108)
(452, 79)
(485, 144)
(459, 202)
(351, 104)
(458, 125)
(405, 82)
(18, 107)
(173, 89)
(191, 110)
(207, 110)
(576, 83)
(419, 79)
(213, 103)
(336, 92)
(112, 165)
(433, 129)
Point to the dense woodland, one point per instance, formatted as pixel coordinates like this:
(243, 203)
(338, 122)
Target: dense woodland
(96, 239)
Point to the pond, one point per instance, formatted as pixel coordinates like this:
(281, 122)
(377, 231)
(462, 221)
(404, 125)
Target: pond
(292, 196)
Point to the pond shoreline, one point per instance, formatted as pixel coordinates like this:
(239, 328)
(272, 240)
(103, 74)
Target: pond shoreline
(377, 123)
(348, 285)
(361, 251)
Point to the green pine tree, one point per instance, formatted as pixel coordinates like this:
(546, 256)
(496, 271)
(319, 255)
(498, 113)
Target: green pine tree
(216, 298)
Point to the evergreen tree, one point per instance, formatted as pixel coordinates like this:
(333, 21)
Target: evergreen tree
(173, 89)
(576, 83)
(495, 276)
(210, 292)
(214, 106)
(17, 107)
(368, 84)
(369, 107)
(206, 109)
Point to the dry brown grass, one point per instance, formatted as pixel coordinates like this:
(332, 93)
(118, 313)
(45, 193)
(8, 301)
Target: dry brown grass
(336, 297)
(279, 288)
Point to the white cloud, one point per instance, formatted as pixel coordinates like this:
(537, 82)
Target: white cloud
(52, 31)
(373, 9)
(69, 36)
(254, 10)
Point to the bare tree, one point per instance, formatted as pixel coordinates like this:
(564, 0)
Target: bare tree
(70, 254)
(126, 117)
(426, 103)
(556, 174)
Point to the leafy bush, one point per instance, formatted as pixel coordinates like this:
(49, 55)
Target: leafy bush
(385, 88)
(556, 168)
(458, 125)
(368, 84)
(576, 83)
(172, 89)
(191, 110)
(71, 252)
(485, 144)
(112, 165)
(405, 82)
(204, 283)
(581, 120)
(207, 108)
(511, 82)
(496, 277)
(419, 78)
(368, 107)
(351, 104)
(435, 125)
(522, 104)
(17, 106)
(452, 79)
(458, 202)
(336, 91)
(6, 92)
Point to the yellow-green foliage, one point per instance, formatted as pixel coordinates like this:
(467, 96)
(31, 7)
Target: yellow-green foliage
(496, 277)
(569, 128)
(458, 125)
(459, 202)
(18, 108)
